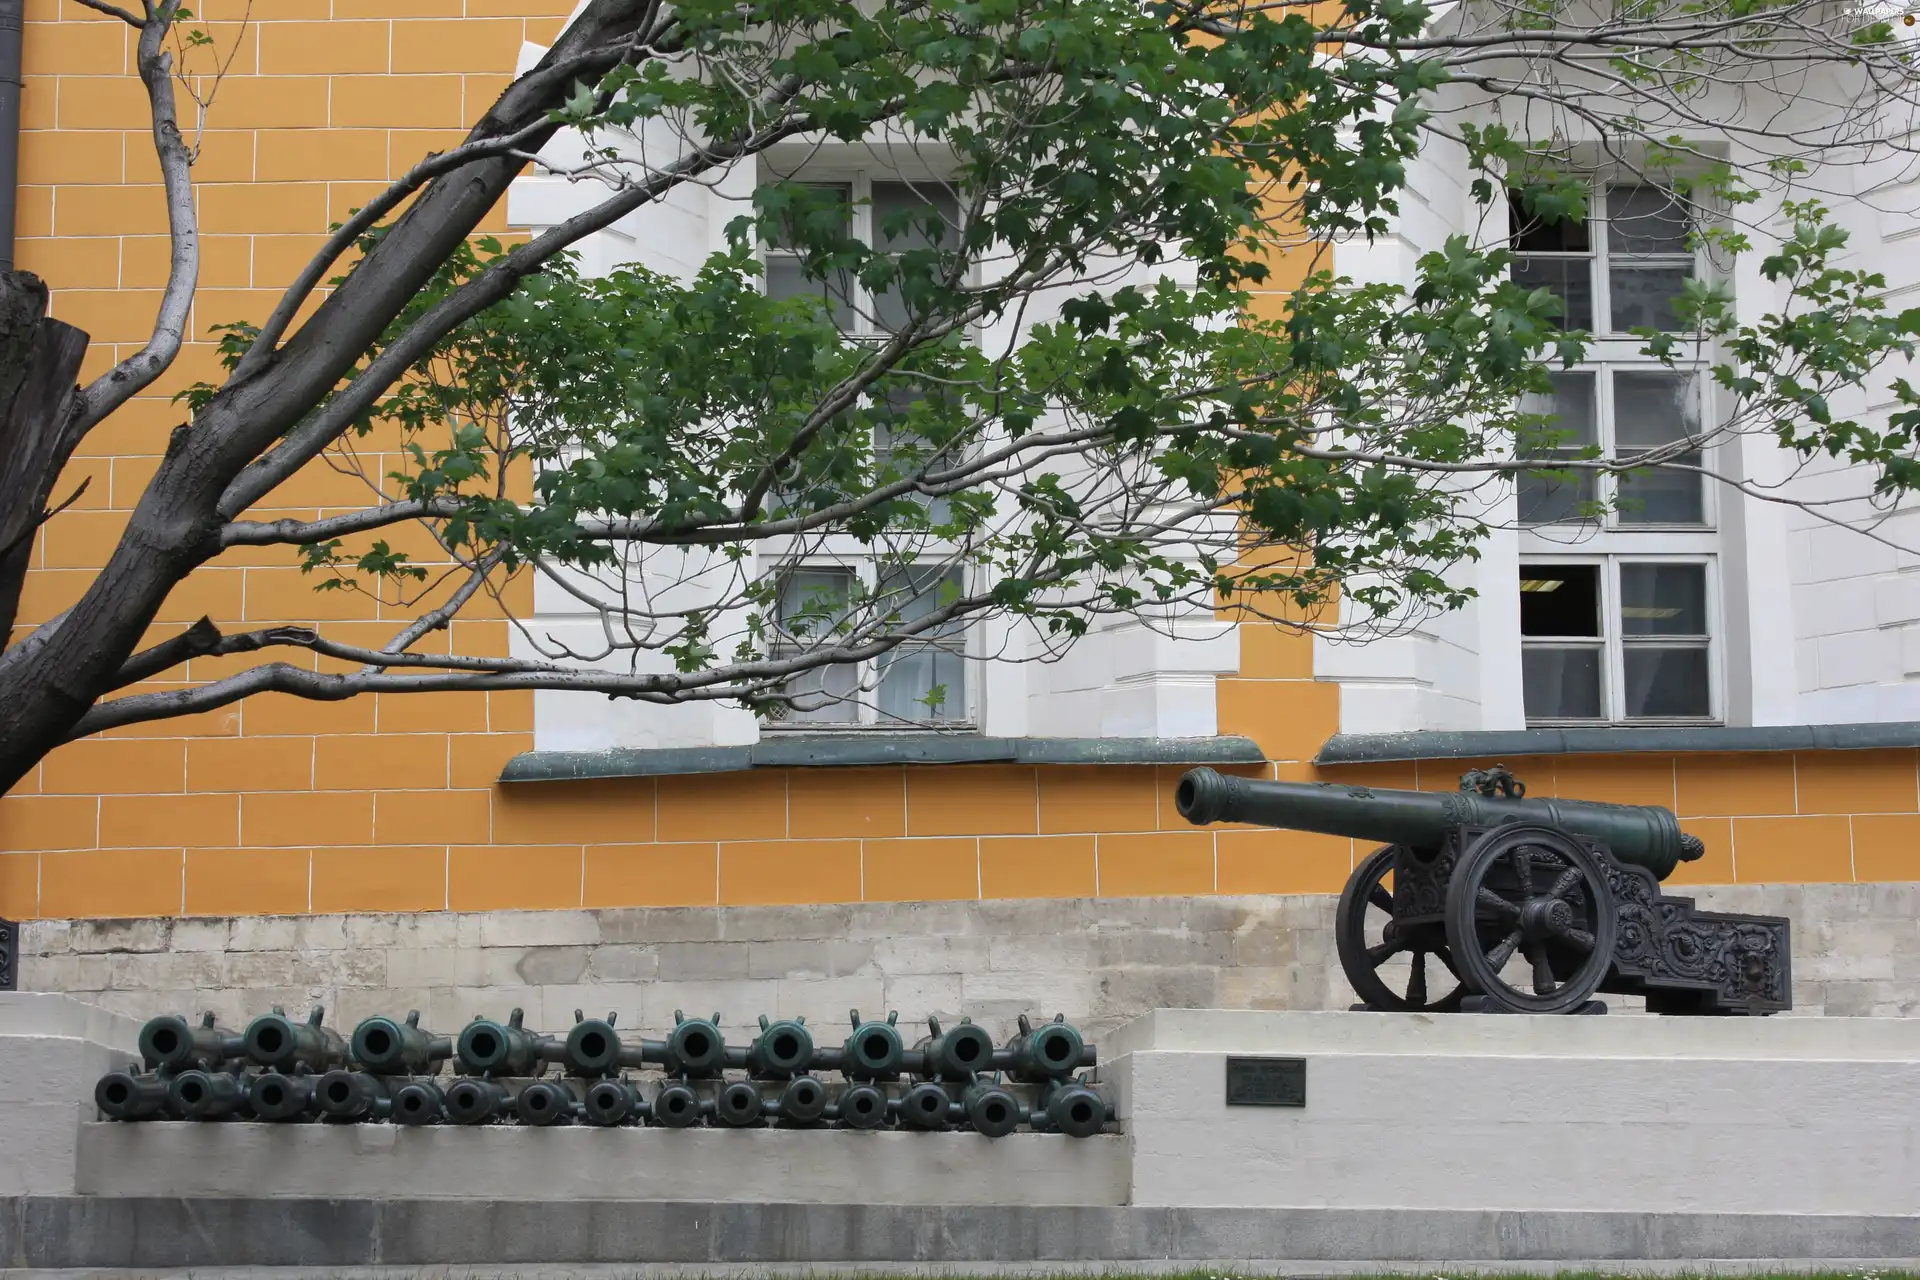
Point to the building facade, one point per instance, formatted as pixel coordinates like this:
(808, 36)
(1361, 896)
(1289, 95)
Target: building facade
(1746, 664)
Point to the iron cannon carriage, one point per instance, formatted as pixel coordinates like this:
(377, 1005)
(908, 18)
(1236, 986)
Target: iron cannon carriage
(1526, 905)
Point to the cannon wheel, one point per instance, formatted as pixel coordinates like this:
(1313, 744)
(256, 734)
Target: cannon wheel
(1365, 892)
(1536, 892)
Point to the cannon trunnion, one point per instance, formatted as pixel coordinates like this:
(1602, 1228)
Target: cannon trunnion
(1488, 901)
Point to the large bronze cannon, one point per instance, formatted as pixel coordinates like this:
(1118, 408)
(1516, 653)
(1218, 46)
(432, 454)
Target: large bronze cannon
(1528, 905)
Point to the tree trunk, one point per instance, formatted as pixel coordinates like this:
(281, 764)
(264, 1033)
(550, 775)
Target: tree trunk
(39, 361)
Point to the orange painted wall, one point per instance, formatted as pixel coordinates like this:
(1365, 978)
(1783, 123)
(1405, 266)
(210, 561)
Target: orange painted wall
(390, 803)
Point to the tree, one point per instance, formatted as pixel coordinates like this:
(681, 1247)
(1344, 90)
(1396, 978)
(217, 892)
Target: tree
(1061, 389)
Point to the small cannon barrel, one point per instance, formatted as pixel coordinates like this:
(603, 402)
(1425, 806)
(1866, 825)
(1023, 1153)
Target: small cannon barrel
(278, 1043)
(1644, 835)
(387, 1047)
(1052, 1051)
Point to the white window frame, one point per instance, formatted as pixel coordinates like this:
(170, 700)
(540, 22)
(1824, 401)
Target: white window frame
(864, 704)
(860, 182)
(845, 555)
(1609, 353)
(1613, 641)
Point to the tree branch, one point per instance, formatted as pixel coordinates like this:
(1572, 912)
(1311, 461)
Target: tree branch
(112, 11)
(268, 533)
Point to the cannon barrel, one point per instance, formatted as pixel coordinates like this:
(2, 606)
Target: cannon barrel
(1644, 835)
(171, 1043)
(125, 1095)
(277, 1042)
(387, 1047)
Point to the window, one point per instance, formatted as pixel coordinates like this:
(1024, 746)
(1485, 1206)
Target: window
(1615, 639)
(920, 683)
(1628, 412)
(892, 216)
(1626, 277)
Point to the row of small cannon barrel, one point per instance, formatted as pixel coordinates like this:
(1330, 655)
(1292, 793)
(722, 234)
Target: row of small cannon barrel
(281, 1069)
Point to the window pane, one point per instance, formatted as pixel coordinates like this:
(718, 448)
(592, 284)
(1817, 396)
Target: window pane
(894, 202)
(1651, 410)
(1654, 409)
(1660, 496)
(911, 594)
(1547, 499)
(1560, 684)
(827, 211)
(921, 683)
(825, 695)
(1665, 681)
(1663, 600)
(814, 601)
(1643, 297)
(1530, 233)
(786, 279)
(1569, 279)
(1560, 600)
(1646, 220)
(1554, 499)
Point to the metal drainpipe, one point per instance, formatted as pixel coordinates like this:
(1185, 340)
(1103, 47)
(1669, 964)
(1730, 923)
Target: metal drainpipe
(9, 125)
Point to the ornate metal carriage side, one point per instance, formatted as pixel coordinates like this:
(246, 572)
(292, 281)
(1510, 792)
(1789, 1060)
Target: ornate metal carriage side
(1488, 900)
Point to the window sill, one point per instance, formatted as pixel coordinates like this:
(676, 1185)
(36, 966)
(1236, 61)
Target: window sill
(1372, 748)
(854, 749)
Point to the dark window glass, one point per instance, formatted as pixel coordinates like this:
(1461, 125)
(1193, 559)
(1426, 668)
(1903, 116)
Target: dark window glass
(1568, 279)
(1560, 683)
(1663, 600)
(832, 203)
(1666, 681)
(1546, 499)
(1560, 600)
(904, 219)
(1531, 233)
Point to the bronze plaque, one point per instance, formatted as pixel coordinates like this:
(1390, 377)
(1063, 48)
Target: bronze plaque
(1266, 1082)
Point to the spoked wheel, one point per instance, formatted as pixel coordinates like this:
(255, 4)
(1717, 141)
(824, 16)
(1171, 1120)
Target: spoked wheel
(1532, 893)
(1387, 962)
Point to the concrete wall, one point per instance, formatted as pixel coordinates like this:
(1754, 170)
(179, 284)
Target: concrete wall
(1101, 962)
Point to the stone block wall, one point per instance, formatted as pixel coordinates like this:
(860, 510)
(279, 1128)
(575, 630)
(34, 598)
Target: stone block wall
(1099, 961)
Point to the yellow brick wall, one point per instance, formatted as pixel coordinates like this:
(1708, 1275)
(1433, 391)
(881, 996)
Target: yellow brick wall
(282, 806)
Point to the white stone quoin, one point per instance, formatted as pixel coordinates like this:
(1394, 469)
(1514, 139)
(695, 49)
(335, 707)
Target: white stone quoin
(52, 1049)
(1493, 1112)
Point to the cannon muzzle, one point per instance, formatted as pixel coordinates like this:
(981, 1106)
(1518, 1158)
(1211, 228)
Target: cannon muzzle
(874, 1051)
(351, 1095)
(960, 1052)
(277, 1042)
(695, 1046)
(1052, 1051)
(860, 1106)
(803, 1102)
(488, 1048)
(545, 1102)
(1076, 1110)
(739, 1105)
(205, 1095)
(1644, 835)
(476, 1101)
(389, 1048)
(419, 1102)
(927, 1106)
(171, 1043)
(123, 1095)
(782, 1049)
(272, 1095)
(610, 1101)
(676, 1106)
(992, 1109)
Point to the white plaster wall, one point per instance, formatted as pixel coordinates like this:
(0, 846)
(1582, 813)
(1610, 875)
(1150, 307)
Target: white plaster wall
(1528, 1113)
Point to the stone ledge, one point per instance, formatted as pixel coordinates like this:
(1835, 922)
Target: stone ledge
(1375, 748)
(98, 1232)
(843, 750)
